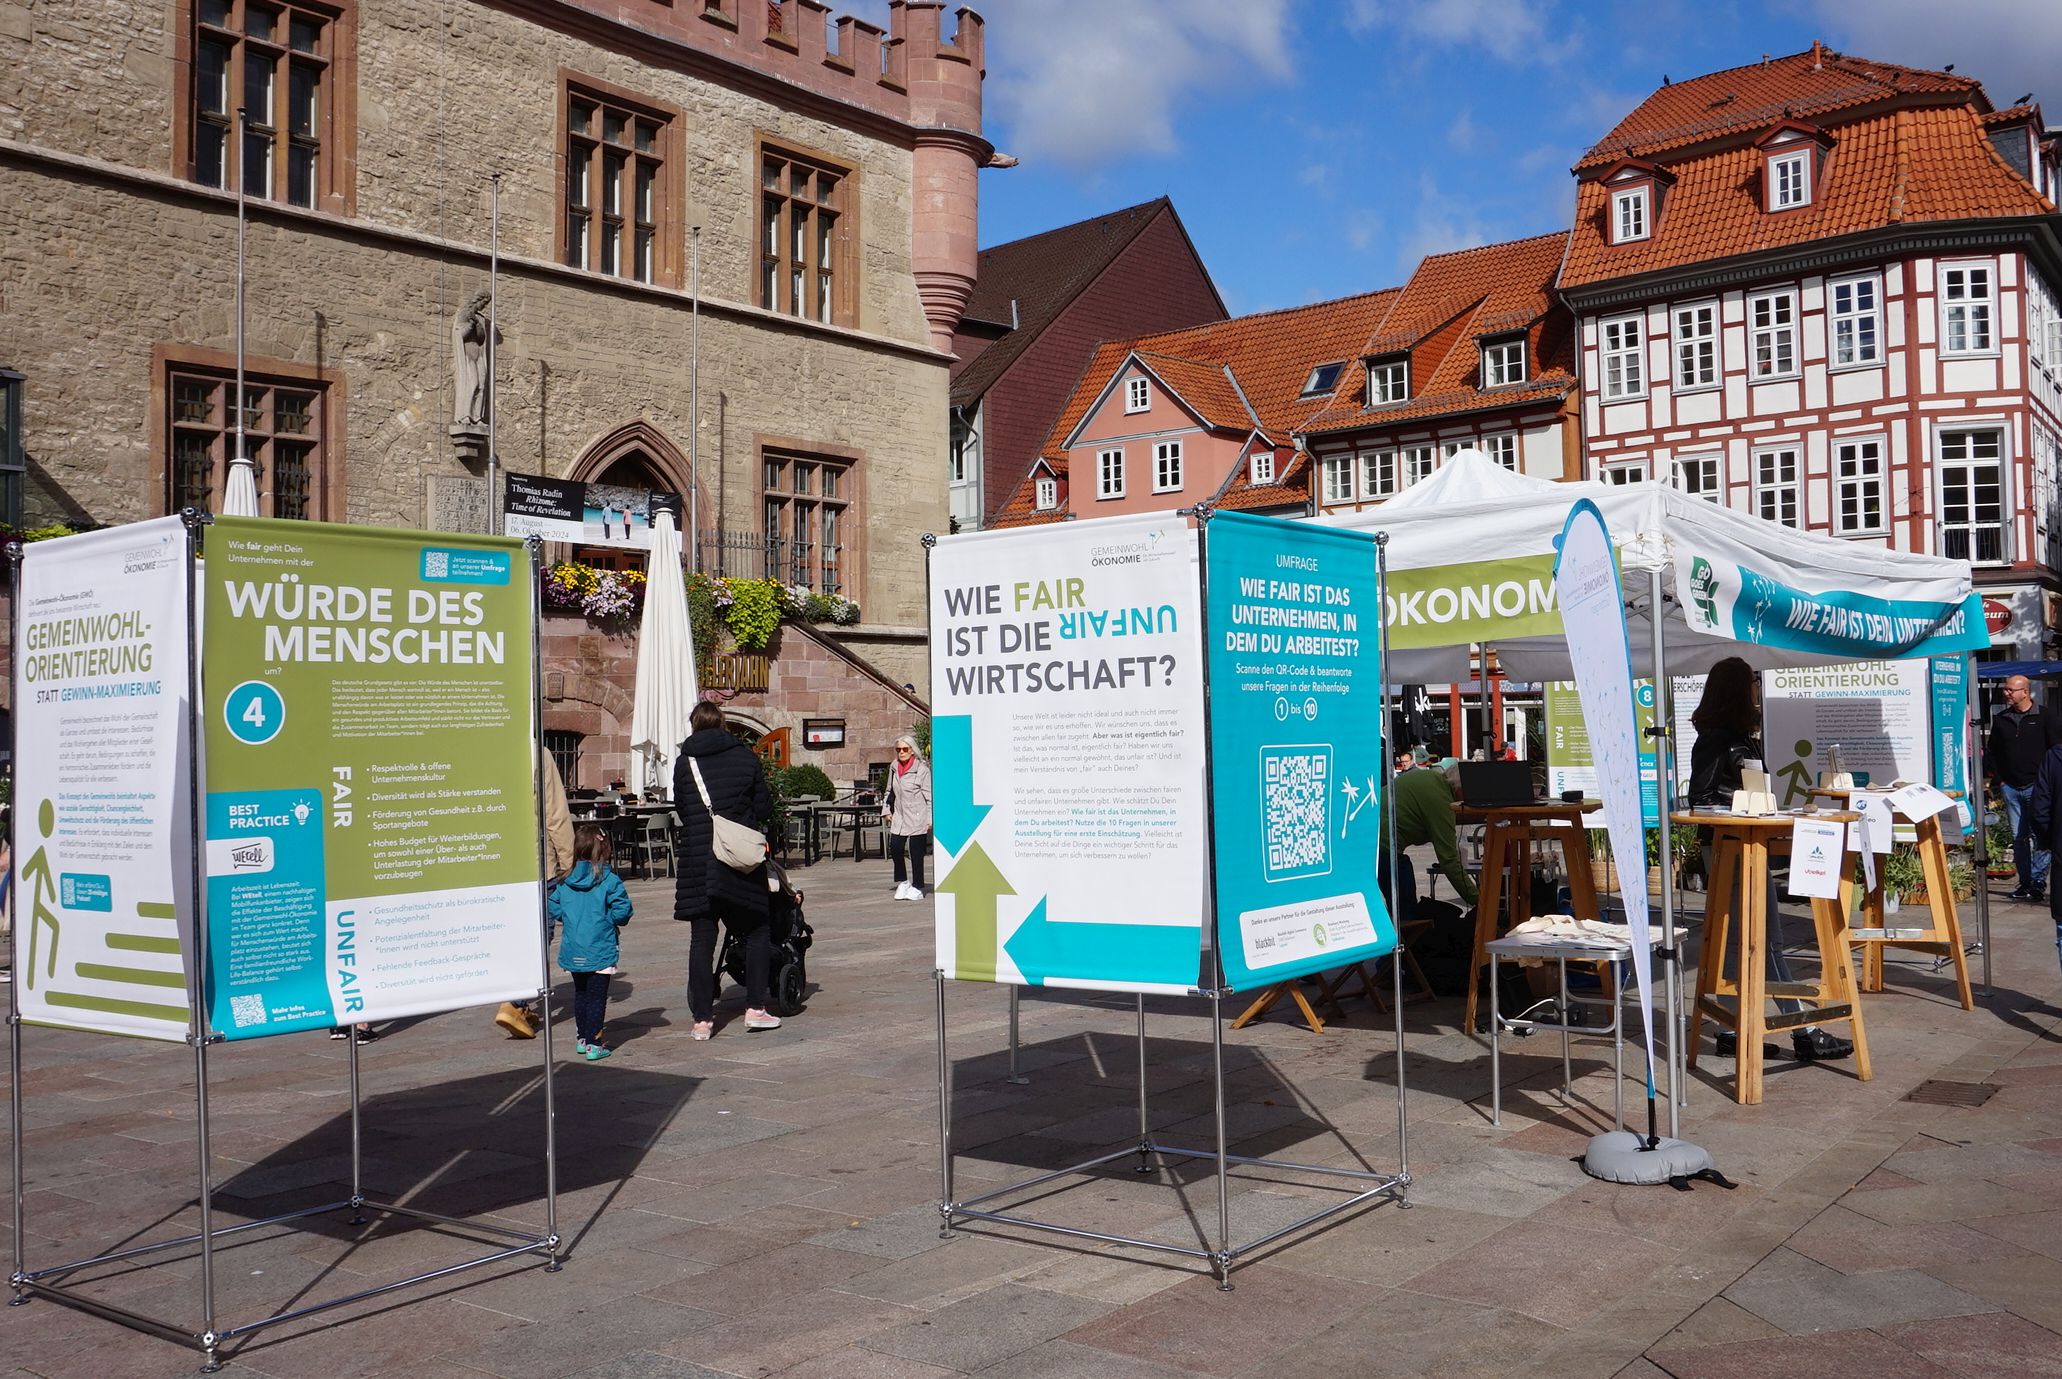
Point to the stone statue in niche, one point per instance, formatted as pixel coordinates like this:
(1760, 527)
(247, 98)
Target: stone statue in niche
(469, 361)
(472, 388)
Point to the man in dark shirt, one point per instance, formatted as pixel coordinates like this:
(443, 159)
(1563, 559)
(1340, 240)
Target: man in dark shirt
(2020, 736)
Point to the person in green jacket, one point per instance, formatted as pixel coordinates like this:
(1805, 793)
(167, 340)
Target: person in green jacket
(1424, 815)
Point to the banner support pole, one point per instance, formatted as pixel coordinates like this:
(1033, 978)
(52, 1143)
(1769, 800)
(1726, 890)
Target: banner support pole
(1980, 841)
(196, 981)
(534, 546)
(1393, 855)
(1221, 1259)
(357, 1134)
(1145, 1134)
(945, 1202)
(16, 1277)
(1664, 800)
(1014, 1077)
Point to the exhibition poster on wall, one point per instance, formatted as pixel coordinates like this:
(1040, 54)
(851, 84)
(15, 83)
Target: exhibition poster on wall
(1876, 714)
(103, 861)
(1067, 754)
(371, 803)
(581, 513)
(1296, 709)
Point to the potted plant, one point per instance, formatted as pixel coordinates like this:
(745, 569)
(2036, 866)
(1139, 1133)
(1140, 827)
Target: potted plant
(1998, 849)
(1904, 877)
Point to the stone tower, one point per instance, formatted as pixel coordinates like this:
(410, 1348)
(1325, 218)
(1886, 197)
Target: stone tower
(944, 84)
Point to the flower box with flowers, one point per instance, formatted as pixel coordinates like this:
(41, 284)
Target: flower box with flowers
(606, 596)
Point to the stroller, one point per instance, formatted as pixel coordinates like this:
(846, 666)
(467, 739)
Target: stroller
(791, 937)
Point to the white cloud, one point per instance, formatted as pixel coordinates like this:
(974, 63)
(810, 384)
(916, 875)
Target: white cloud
(1360, 230)
(1442, 224)
(1464, 135)
(1514, 31)
(2008, 45)
(1315, 174)
(1079, 82)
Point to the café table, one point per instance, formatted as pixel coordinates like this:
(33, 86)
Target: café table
(1736, 912)
(1509, 833)
(1942, 937)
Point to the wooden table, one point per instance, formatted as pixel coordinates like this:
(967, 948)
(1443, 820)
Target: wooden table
(1942, 937)
(1737, 911)
(1508, 835)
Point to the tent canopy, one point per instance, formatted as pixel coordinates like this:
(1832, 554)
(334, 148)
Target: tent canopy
(1471, 553)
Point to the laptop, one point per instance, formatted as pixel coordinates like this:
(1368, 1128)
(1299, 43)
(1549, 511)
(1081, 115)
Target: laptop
(1496, 784)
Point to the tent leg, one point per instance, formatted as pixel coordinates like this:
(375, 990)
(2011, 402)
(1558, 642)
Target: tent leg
(357, 1160)
(1394, 856)
(1220, 1259)
(550, 1131)
(208, 1339)
(21, 1264)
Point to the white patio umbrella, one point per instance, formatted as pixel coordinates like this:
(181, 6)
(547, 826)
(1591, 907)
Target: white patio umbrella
(241, 499)
(666, 689)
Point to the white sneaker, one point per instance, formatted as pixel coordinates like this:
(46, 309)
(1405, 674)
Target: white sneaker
(902, 890)
(916, 892)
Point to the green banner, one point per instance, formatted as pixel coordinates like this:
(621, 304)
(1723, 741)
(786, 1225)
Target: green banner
(371, 774)
(1476, 601)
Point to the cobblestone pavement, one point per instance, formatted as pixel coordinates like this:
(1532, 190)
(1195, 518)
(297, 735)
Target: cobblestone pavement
(763, 1204)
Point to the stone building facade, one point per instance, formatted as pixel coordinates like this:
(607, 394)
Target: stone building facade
(813, 178)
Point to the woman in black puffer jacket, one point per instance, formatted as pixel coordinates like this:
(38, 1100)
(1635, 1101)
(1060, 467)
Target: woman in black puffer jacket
(706, 890)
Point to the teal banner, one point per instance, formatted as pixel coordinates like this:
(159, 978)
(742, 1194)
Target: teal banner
(1950, 678)
(1295, 708)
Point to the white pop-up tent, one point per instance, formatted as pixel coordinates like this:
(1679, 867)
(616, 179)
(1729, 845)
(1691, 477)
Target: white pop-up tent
(1471, 561)
(1471, 553)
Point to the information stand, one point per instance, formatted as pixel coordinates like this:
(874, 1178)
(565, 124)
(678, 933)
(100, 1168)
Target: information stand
(1159, 751)
(318, 866)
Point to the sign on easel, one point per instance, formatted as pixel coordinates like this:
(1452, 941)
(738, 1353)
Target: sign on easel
(1296, 769)
(371, 801)
(103, 833)
(1067, 740)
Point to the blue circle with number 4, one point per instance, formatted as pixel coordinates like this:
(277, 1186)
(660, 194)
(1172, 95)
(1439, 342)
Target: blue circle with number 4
(254, 712)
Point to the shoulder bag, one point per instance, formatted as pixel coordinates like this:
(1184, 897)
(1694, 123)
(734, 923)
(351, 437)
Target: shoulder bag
(737, 846)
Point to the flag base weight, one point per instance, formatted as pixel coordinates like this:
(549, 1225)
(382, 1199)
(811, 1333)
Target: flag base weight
(1620, 1156)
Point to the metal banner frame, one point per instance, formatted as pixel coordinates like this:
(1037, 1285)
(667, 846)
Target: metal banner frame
(52, 1282)
(1227, 1253)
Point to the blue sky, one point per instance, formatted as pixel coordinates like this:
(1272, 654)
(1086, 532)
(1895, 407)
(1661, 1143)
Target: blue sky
(1317, 148)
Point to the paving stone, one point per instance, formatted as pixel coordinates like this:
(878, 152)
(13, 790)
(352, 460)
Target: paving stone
(1555, 1273)
(1269, 1309)
(1999, 1344)
(648, 1364)
(986, 1329)
(1829, 1355)
(548, 1350)
(1803, 1296)
(1404, 1335)
(1066, 1360)
(1857, 1244)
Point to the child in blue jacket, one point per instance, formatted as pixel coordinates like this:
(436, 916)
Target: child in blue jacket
(590, 905)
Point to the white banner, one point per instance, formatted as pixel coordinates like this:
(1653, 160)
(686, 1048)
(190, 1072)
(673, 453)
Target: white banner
(103, 867)
(1067, 754)
(1593, 619)
(1876, 714)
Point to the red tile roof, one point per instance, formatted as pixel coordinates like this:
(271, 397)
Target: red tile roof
(1270, 355)
(1441, 316)
(1930, 163)
(1806, 86)
(1291, 487)
(1022, 510)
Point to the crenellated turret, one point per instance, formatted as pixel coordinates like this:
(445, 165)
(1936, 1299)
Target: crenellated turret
(943, 79)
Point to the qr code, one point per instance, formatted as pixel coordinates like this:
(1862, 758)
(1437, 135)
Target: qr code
(1296, 809)
(436, 564)
(247, 1010)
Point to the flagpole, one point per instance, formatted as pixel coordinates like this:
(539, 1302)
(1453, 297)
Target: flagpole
(694, 401)
(242, 452)
(493, 330)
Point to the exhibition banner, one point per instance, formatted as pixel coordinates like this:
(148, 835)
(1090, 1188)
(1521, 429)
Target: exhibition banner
(103, 860)
(1296, 769)
(1877, 715)
(1726, 592)
(1950, 679)
(371, 775)
(585, 514)
(1593, 617)
(1067, 754)
(1472, 601)
(1569, 766)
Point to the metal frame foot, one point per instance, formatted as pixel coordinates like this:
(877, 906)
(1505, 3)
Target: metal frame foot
(1220, 1262)
(1145, 1157)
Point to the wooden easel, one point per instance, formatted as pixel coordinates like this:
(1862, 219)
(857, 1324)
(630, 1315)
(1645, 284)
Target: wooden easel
(1508, 834)
(1737, 910)
(1292, 988)
(1942, 938)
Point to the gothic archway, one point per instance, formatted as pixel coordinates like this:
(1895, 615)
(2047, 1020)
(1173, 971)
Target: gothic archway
(638, 455)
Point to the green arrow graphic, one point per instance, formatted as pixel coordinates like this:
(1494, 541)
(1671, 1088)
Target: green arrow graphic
(974, 885)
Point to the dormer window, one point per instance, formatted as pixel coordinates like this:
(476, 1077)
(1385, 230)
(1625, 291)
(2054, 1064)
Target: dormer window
(1631, 214)
(1789, 180)
(1137, 395)
(1323, 379)
(1046, 492)
(1388, 380)
(1503, 361)
(1263, 461)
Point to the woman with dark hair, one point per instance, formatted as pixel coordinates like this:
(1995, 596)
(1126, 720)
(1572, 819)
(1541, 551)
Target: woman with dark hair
(1728, 723)
(718, 775)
